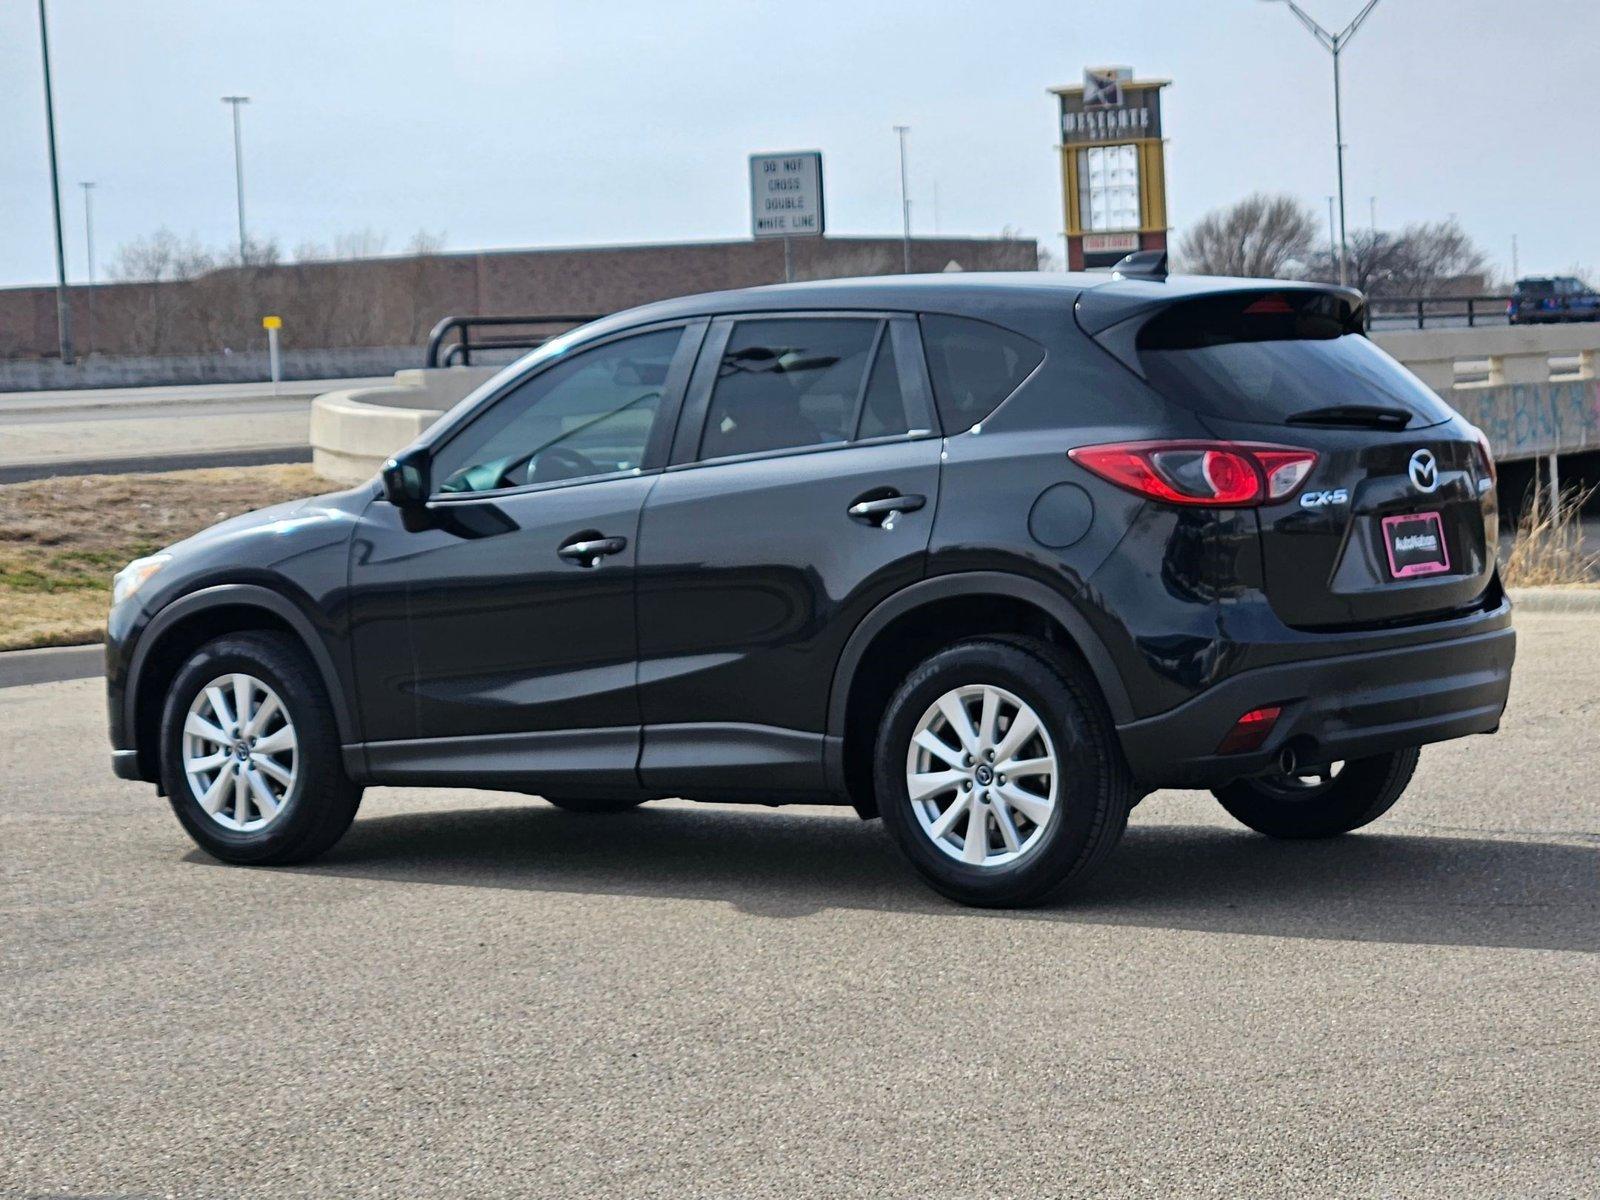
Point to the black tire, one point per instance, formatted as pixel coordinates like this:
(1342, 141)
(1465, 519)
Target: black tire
(1361, 792)
(1093, 797)
(594, 804)
(322, 801)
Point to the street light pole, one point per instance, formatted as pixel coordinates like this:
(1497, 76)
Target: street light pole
(63, 308)
(1334, 44)
(905, 201)
(88, 240)
(238, 170)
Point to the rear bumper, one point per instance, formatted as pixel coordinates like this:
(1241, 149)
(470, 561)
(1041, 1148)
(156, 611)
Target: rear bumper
(1333, 708)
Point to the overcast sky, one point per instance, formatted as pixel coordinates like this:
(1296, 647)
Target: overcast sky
(500, 124)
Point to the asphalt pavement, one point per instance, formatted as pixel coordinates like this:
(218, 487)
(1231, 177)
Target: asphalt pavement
(480, 995)
(157, 428)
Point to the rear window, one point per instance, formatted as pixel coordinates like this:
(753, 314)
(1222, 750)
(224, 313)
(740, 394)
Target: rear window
(1535, 287)
(1271, 357)
(974, 366)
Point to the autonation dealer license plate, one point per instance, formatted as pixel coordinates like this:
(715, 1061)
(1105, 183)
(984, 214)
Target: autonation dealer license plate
(1415, 542)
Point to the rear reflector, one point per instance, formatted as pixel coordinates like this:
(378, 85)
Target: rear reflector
(1250, 731)
(1213, 474)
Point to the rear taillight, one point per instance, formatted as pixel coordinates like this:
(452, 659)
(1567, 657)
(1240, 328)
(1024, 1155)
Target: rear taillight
(1214, 474)
(1486, 456)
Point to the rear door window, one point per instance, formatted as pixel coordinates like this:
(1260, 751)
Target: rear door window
(974, 366)
(1273, 357)
(796, 382)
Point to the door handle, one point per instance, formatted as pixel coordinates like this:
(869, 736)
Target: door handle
(587, 549)
(880, 509)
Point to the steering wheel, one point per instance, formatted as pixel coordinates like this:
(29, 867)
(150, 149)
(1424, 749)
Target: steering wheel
(560, 462)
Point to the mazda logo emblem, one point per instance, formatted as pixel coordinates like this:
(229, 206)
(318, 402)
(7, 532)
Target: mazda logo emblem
(1424, 471)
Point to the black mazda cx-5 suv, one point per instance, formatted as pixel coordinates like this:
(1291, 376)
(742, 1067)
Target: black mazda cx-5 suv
(988, 556)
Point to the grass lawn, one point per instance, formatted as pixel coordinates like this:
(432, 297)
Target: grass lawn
(62, 539)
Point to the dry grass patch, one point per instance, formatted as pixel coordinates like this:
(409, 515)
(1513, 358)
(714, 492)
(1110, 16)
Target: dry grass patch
(62, 539)
(1548, 549)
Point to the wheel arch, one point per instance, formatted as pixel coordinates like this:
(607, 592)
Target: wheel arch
(180, 628)
(908, 625)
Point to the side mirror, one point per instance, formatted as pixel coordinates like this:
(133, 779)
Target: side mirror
(405, 479)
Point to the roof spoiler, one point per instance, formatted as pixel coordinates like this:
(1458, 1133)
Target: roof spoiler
(1142, 264)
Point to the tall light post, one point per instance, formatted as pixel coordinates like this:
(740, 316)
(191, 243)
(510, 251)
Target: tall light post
(88, 245)
(905, 200)
(63, 308)
(1334, 44)
(238, 170)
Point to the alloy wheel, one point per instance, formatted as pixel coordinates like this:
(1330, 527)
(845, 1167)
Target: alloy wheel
(240, 753)
(982, 775)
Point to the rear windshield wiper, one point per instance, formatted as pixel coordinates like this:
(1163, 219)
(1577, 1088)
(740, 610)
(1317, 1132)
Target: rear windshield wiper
(1353, 416)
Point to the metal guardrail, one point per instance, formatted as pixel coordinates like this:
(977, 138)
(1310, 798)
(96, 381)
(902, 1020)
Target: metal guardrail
(533, 332)
(1439, 312)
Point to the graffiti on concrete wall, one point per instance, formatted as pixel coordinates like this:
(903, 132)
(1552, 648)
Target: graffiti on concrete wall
(1524, 420)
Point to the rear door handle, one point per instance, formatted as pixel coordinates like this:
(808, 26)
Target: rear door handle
(587, 549)
(879, 509)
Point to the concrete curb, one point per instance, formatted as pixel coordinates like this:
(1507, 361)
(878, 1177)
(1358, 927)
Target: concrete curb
(1576, 599)
(51, 664)
(57, 663)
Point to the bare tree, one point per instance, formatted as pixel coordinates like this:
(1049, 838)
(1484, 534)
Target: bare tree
(1434, 258)
(1257, 237)
(160, 316)
(161, 257)
(421, 282)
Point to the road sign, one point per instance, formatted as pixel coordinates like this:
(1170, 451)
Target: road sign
(786, 194)
(275, 364)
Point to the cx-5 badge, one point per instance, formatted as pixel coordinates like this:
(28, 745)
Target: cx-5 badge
(1424, 471)
(1323, 499)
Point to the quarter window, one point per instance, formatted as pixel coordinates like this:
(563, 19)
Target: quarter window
(974, 366)
(587, 415)
(795, 382)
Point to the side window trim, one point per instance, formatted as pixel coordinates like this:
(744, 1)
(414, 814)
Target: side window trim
(697, 401)
(915, 382)
(910, 366)
(692, 334)
(860, 406)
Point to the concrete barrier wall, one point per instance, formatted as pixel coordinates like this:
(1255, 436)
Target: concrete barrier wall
(138, 370)
(1532, 389)
(354, 430)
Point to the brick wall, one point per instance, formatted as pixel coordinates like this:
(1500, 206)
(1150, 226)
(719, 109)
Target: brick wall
(395, 301)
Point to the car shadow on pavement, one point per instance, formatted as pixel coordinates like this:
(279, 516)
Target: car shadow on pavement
(1378, 887)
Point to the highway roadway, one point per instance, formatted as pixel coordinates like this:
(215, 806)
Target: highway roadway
(478, 995)
(165, 428)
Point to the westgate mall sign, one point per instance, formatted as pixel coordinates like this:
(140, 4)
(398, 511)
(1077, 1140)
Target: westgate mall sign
(1110, 107)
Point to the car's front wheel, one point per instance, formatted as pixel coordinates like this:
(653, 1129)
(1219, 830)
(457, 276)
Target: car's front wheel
(999, 774)
(250, 752)
(1321, 801)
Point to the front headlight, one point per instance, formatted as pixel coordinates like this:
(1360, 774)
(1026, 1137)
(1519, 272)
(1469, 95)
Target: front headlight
(132, 577)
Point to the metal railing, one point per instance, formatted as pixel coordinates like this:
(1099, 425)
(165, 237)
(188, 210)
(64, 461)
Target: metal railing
(1439, 312)
(531, 332)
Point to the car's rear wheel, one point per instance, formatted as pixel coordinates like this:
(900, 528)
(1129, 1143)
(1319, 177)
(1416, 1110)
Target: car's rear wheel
(1323, 801)
(999, 774)
(594, 804)
(250, 752)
